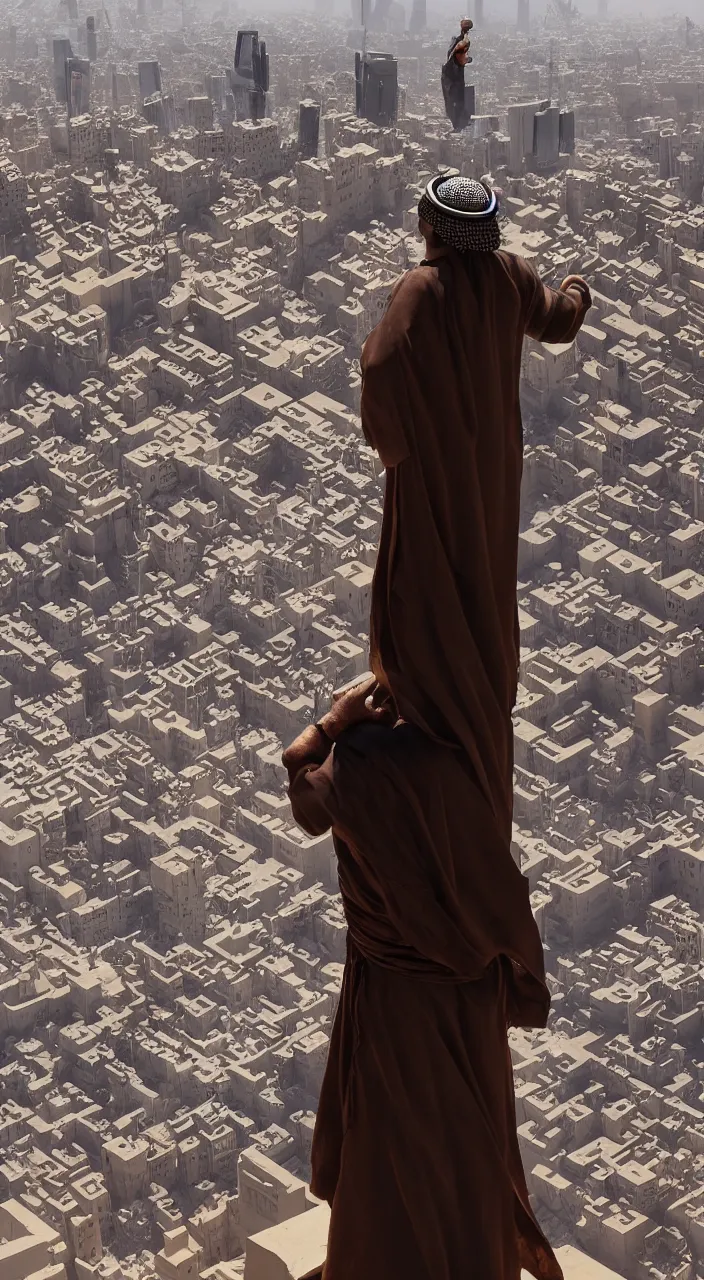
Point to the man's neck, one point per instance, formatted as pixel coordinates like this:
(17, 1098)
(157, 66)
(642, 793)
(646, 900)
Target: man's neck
(432, 254)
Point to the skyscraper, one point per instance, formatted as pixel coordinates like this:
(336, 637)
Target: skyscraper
(567, 133)
(523, 17)
(61, 50)
(376, 82)
(77, 86)
(470, 102)
(478, 13)
(308, 129)
(546, 137)
(250, 79)
(380, 15)
(216, 88)
(91, 40)
(8, 44)
(159, 110)
(666, 152)
(149, 78)
(521, 129)
(418, 21)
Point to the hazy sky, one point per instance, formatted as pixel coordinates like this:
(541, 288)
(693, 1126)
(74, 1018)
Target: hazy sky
(506, 9)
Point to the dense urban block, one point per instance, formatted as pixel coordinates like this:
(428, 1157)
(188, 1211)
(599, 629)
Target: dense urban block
(202, 217)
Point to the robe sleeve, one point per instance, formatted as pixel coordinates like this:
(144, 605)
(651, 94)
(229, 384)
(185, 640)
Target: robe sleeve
(384, 406)
(308, 762)
(551, 315)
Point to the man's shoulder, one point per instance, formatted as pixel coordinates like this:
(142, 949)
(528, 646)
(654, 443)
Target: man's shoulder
(417, 281)
(408, 303)
(517, 267)
(415, 289)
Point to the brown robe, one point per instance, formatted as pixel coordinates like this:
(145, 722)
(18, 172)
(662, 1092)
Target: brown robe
(415, 1144)
(440, 405)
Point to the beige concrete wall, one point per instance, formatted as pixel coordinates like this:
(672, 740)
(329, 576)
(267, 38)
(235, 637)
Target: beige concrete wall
(293, 1250)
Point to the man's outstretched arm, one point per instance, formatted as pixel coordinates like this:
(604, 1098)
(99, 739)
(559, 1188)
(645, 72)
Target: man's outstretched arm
(551, 315)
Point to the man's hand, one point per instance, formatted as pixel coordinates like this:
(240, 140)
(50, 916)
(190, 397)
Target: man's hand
(578, 285)
(363, 702)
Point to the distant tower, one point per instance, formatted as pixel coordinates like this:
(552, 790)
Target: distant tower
(216, 87)
(419, 17)
(376, 84)
(666, 154)
(523, 17)
(9, 44)
(91, 40)
(77, 86)
(61, 50)
(308, 129)
(603, 10)
(111, 158)
(567, 133)
(546, 137)
(378, 18)
(149, 74)
(250, 79)
(478, 13)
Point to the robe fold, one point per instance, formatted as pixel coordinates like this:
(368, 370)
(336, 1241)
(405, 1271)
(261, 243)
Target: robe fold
(415, 1143)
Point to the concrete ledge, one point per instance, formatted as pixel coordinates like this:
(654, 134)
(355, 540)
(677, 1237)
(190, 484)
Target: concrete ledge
(293, 1250)
(578, 1266)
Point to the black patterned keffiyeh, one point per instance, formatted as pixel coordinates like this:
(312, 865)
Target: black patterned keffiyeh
(463, 214)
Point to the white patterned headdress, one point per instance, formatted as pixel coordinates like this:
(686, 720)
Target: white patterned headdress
(463, 213)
